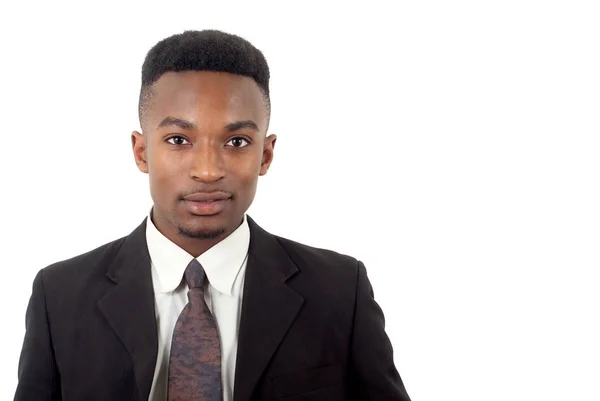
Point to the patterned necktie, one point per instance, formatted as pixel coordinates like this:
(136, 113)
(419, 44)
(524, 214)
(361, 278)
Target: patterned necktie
(195, 361)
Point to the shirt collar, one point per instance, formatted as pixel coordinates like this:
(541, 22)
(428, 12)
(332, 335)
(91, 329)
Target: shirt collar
(222, 262)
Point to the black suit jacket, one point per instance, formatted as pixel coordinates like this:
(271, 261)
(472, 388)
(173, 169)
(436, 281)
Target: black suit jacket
(309, 330)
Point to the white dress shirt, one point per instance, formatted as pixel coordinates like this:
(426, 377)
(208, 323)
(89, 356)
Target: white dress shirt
(225, 266)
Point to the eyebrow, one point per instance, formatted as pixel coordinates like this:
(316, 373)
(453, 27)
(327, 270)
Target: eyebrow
(178, 122)
(234, 126)
(185, 124)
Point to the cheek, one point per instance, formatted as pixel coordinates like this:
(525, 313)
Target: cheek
(165, 165)
(247, 178)
(246, 175)
(249, 168)
(243, 163)
(163, 173)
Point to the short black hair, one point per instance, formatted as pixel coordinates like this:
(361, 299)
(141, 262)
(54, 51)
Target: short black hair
(207, 50)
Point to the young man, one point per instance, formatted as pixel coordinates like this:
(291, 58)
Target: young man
(199, 302)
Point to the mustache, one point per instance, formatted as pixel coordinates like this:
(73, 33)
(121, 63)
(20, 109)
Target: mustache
(204, 191)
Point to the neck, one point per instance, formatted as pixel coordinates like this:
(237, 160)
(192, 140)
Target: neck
(194, 243)
(194, 246)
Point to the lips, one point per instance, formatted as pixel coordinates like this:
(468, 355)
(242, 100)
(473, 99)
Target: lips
(206, 203)
(207, 196)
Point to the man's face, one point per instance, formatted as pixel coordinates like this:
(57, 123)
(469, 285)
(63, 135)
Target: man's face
(203, 147)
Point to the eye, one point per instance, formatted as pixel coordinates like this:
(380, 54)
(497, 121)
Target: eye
(238, 142)
(177, 140)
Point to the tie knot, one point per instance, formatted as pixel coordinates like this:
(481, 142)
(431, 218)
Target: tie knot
(194, 274)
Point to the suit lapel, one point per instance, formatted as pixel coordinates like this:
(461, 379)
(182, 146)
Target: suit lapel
(269, 307)
(129, 306)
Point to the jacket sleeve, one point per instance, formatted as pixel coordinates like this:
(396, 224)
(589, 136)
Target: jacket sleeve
(372, 373)
(38, 374)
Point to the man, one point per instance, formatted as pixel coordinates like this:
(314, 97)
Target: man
(199, 302)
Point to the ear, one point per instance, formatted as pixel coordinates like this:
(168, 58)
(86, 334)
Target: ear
(138, 143)
(267, 156)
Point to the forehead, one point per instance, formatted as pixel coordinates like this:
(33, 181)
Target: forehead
(197, 95)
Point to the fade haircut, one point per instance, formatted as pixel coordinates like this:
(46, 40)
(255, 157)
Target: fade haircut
(208, 50)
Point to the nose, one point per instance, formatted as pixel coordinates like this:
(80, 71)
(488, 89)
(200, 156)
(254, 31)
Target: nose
(207, 164)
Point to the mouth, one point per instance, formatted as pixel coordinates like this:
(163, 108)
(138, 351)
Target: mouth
(207, 196)
(207, 203)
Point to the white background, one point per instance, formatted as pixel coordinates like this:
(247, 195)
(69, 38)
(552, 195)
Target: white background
(453, 146)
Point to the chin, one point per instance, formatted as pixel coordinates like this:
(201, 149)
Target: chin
(201, 231)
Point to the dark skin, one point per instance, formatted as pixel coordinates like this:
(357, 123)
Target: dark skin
(203, 132)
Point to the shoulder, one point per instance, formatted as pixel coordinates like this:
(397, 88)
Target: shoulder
(328, 280)
(319, 261)
(84, 266)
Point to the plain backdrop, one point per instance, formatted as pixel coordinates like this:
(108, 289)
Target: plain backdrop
(452, 146)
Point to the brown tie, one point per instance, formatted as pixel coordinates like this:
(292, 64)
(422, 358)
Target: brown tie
(195, 361)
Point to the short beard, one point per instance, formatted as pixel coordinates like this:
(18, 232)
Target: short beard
(199, 234)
